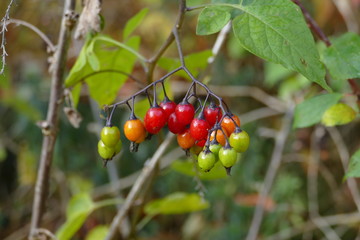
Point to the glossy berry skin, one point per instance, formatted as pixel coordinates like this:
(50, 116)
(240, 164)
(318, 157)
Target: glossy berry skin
(212, 114)
(220, 137)
(215, 148)
(105, 152)
(110, 136)
(199, 128)
(201, 143)
(134, 130)
(229, 125)
(185, 113)
(206, 160)
(168, 107)
(118, 147)
(174, 125)
(239, 141)
(185, 140)
(154, 120)
(227, 157)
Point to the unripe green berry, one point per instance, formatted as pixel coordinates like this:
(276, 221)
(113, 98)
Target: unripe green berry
(206, 160)
(104, 151)
(227, 156)
(110, 136)
(239, 141)
(215, 148)
(118, 147)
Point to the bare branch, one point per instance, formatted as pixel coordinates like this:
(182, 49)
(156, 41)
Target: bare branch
(50, 134)
(275, 163)
(3, 30)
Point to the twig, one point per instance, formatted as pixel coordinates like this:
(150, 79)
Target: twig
(344, 157)
(50, 133)
(137, 187)
(3, 39)
(275, 163)
(34, 29)
(312, 187)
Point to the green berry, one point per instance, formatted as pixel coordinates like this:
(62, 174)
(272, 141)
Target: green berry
(239, 141)
(104, 151)
(110, 136)
(206, 160)
(215, 148)
(118, 147)
(196, 149)
(227, 156)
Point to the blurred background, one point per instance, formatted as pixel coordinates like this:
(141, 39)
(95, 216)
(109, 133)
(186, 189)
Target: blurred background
(260, 93)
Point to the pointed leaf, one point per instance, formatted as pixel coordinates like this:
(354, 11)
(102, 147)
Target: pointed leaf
(176, 203)
(134, 22)
(338, 114)
(212, 20)
(275, 30)
(354, 166)
(342, 58)
(311, 110)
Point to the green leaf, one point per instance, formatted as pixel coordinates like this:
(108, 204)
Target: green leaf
(311, 110)
(92, 58)
(354, 166)
(338, 114)
(176, 203)
(78, 71)
(342, 58)
(79, 208)
(187, 168)
(212, 20)
(275, 30)
(134, 22)
(195, 63)
(97, 233)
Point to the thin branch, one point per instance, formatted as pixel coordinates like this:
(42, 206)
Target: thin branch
(50, 133)
(41, 34)
(3, 39)
(273, 168)
(149, 167)
(344, 157)
(312, 187)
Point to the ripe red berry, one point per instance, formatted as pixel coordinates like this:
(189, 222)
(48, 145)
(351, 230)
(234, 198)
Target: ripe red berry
(154, 120)
(185, 112)
(199, 128)
(201, 143)
(168, 107)
(212, 114)
(174, 125)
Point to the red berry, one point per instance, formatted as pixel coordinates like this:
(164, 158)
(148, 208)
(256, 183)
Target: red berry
(212, 114)
(168, 107)
(201, 143)
(174, 125)
(185, 112)
(199, 128)
(154, 120)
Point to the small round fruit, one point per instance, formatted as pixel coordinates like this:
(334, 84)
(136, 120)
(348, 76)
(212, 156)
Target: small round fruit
(239, 141)
(185, 140)
(212, 114)
(174, 125)
(199, 128)
(206, 160)
(134, 130)
(118, 147)
(185, 112)
(227, 156)
(196, 149)
(220, 137)
(215, 148)
(104, 151)
(110, 136)
(168, 107)
(229, 125)
(201, 143)
(154, 120)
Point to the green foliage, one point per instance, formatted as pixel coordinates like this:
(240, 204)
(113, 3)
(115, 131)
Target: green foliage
(176, 203)
(134, 22)
(354, 166)
(275, 30)
(97, 233)
(187, 168)
(212, 20)
(342, 58)
(338, 114)
(311, 110)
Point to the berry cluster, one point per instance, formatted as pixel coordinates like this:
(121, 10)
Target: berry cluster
(213, 134)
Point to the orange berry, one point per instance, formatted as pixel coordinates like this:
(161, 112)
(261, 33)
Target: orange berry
(134, 130)
(229, 125)
(220, 137)
(185, 140)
